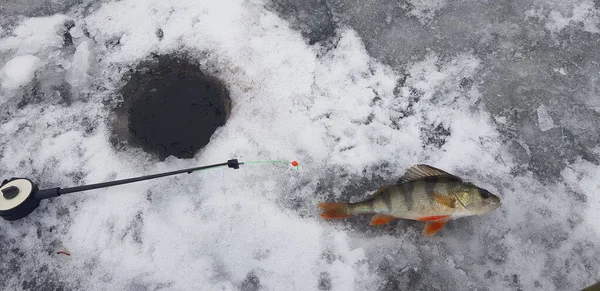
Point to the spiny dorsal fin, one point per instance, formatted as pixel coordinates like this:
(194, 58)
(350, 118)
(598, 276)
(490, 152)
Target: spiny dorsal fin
(421, 171)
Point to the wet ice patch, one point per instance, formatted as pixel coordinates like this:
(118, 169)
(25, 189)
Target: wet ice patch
(583, 14)
(19, 71)
(425, 10)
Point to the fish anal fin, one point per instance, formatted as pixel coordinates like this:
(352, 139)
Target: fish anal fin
(421, 171)
(381, 219)
(432, 227)
(444, 200)
(434, 218)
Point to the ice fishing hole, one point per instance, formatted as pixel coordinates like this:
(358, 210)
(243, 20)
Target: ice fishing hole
(170, 107)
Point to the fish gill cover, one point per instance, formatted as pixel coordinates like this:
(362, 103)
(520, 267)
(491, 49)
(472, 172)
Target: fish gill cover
(503, 94)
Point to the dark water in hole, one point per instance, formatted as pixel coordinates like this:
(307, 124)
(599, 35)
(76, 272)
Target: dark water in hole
(173, 108)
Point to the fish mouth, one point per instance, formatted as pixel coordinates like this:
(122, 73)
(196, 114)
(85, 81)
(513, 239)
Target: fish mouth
(497, 200)
(495, 203)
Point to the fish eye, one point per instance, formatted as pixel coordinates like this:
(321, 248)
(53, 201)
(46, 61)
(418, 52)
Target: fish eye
(485, 194)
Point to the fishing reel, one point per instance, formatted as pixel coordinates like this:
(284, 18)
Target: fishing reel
(18, 198)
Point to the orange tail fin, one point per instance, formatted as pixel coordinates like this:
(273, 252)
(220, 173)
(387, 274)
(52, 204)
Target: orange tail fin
(333, 210)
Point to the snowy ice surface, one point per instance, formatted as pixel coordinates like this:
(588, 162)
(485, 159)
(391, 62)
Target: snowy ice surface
(455, 85)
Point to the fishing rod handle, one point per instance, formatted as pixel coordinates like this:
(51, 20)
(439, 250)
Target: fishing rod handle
(47, 193)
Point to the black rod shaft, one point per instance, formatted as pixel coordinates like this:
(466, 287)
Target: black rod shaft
(136, 179)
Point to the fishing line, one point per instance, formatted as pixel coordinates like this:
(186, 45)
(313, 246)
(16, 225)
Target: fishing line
(20, 196)
(293, 163)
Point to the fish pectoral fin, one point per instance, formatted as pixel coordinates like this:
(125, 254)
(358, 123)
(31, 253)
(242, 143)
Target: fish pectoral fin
(381, 219)
(445, 200)
(431, 227)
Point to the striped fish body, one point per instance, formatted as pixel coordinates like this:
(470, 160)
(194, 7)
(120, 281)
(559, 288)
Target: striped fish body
(416, 200)
(424, 193)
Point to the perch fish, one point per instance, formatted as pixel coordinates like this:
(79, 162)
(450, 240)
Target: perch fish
(424, 193)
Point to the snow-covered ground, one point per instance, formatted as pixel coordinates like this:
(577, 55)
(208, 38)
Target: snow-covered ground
(502, 93)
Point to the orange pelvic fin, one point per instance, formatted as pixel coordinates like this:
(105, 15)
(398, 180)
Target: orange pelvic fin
(432, 218)
(431, 227)
(381, 219)
(332, 210)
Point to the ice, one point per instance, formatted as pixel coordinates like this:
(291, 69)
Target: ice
(312, 18)
(19, 71)
(584, 13)
(425, 10)
(11, 9)
(504, 95)
(76, 32)
(78, 71)
(544, 119)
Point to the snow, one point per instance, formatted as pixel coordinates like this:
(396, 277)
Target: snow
(19, 71)
(356, 111)
(582, 176)
(34, 35)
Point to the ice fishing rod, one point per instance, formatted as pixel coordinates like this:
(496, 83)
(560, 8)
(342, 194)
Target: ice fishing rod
(20, 196)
